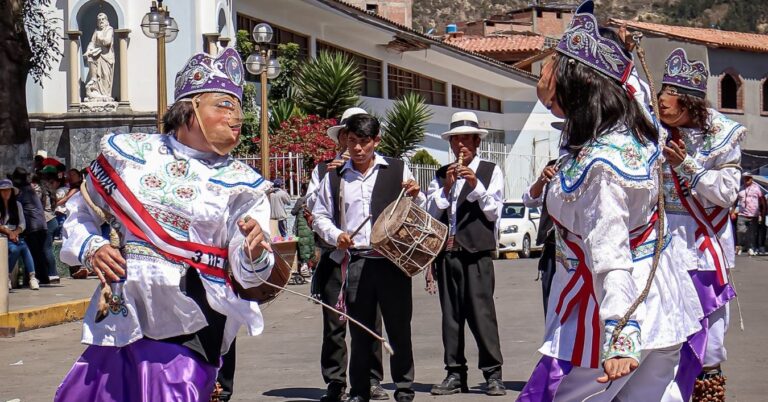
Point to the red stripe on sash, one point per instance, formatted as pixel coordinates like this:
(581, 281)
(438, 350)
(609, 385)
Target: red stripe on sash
(158, 231)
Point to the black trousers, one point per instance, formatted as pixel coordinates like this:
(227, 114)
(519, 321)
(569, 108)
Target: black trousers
(466, 282)
(547, 271)
(36, 241)
(379, 284)
(226, 375)
(333, 354)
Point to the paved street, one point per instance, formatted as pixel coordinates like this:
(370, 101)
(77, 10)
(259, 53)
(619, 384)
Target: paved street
(283, 363)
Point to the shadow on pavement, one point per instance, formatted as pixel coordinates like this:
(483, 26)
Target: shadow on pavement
(308, 394)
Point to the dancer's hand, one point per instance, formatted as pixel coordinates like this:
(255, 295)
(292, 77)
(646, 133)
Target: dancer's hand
(108, 264)
(255, 243)
(450, 178)
(467, 174)
(430, 285)
(616, 368)
(344, 241)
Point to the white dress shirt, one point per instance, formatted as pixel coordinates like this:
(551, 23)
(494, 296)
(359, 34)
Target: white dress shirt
(357, 190)
(490, 199)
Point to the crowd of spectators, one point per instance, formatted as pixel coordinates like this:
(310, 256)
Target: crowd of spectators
(32, 211)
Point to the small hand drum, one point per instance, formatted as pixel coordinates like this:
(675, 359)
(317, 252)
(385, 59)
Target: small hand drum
(264, 293)
(409, 237)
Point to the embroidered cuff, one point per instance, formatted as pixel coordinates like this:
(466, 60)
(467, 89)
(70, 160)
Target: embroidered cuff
(626, 345)
(689, 169)
(477, 192)
(258, 265)
(92, 244)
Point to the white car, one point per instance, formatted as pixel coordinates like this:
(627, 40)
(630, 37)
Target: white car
(518, 227)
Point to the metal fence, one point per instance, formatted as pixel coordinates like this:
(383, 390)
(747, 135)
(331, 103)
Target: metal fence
(287, 166)
(423, 174)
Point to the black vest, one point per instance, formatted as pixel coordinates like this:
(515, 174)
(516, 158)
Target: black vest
(386, 189)
(474, 232)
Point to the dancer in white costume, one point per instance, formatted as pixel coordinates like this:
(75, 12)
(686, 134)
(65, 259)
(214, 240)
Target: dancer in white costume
(603, 200)
(701, 182)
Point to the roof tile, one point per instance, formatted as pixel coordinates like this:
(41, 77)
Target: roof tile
(498, 44)
(710, 37)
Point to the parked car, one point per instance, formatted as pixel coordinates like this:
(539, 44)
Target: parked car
(518, 227)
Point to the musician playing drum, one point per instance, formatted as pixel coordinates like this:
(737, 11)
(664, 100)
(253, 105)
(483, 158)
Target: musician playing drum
(345, 202)
(327, 283)
(184, 213)
(467, 196)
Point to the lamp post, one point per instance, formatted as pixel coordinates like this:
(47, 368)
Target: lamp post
(158, 24)
(263, 63)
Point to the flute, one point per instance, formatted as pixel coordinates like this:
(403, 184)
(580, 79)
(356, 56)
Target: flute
(461, 160)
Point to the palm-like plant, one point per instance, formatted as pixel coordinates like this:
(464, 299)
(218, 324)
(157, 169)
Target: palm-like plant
(329, 84)
(280, 111)
(405, 126)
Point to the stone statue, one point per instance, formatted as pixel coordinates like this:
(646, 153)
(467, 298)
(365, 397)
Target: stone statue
(101, 62)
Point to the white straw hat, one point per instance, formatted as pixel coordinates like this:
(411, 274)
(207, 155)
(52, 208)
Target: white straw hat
(464, 123)
(333, 132)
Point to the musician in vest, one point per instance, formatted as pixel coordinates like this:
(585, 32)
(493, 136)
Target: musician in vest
(702, 177)
(467, 196)
(327, 283)
(345, 211)
(187, 222)
(606, 321)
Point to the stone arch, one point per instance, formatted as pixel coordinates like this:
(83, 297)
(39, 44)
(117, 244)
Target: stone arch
(731, 91)
(83, 19)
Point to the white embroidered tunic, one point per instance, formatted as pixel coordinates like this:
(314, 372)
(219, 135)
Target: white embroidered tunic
(604, 202)
(713, 179)
(194, 196)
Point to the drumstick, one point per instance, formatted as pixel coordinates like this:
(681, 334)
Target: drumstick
(392, 212)
(268, 243)
(359, 228)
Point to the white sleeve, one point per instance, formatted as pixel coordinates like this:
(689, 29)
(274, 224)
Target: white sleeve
(82, 229)
(719, 186)
(531, 202)
(314, 183)
(246, 273)
(420, 199)
(489, 199)
(323, 212)
(436, 199)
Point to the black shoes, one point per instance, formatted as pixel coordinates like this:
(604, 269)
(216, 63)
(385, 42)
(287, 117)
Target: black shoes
(356, 399)
(404, 397)
(334, 394)
(453, 384)
(495, 387)
(378, 393)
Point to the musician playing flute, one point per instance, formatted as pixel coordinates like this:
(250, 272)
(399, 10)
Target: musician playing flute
(467, 196)
(701, 182)
(327, 283)
(344, 212)
(611, 333)
(187, 221)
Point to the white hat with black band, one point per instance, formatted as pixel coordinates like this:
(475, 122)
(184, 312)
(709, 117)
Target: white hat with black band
(333, 132)
(464, 123)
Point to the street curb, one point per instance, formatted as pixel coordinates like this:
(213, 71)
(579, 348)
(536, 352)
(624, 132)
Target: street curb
(44, 316)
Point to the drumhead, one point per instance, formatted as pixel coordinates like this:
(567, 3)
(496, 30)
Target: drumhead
(384, 223)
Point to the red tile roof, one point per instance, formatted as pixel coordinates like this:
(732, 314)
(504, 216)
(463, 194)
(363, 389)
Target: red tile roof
(709, 37)
(498, 44)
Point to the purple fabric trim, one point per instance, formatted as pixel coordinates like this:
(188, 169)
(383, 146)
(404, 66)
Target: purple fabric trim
(545, 380)
(692, 360)
(144, 371)
(712, 295)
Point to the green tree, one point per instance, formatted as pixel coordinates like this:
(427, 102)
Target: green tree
(406, 123)
(244, 44)
(422, 157)
(282, 86)
(328, 85)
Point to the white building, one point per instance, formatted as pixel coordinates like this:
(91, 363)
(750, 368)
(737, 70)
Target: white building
(394, 59)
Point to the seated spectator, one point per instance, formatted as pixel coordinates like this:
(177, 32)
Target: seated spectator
(11, 225)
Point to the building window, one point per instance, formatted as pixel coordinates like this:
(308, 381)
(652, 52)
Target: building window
(730, 92)
(372, 8)
(559, 15)
(764, 93)
(402, 82)
(281, 35)
(370, 68)
(466, 99)
(539, 13)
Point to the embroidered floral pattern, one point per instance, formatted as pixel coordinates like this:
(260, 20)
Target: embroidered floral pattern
(627, 344)
(117, 305)
(174, 184)
(236, 177)
(647, 249)
(132, 146)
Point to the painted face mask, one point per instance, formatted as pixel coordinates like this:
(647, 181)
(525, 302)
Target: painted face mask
(220, 118)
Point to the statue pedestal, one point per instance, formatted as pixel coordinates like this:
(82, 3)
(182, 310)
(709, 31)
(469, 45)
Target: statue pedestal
(98, 106)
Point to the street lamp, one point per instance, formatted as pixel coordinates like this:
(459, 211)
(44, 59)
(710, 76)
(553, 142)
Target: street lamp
(263, 63)
(158, 24)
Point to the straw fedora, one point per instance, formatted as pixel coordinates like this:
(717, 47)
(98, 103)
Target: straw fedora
(333, 132)
(464, 123)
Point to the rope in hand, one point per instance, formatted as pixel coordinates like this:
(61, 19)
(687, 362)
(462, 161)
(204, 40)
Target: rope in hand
(661, 222)
(266, 243)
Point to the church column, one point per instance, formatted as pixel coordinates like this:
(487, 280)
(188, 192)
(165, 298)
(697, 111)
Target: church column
(74, 71)
(122, 38)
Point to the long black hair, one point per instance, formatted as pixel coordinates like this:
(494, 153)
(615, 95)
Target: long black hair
(13, 210)
(593, 104)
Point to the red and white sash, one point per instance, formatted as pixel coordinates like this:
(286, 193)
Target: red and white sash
(708, 227)
(131, 213)
(579, 295)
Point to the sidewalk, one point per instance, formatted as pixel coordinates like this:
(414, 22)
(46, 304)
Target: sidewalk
(51, 305)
